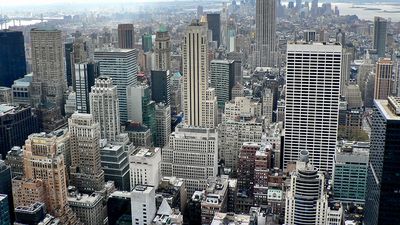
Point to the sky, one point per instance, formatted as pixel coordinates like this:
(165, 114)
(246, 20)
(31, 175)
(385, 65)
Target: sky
(41, 2)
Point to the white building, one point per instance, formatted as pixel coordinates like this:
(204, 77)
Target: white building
(145, 166)
(163, 124)
(312, 102)
(121, 65)
(135, 106)
(192, 155)
(143, 205)
(242, 107)
(104, 107)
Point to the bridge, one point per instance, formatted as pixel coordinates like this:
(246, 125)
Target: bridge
(17, 21)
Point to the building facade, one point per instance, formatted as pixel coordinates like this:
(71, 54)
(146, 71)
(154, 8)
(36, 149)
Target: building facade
(383, 79)
(126, 36)
(145, 167)
(266, 33)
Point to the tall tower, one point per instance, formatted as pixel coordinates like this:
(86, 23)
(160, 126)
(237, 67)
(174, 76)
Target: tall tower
(163, 124)
(383, 78)
(86, 172)
(162, 50)
(196, 96)
(44, 177)
(104, 108)
(266, 32)
(312, 102)
(222, 79)
(380, 35)
(121, 66)
(214, 24)
(12, 57)
(383, 183)
(49, 83)
(126, 36)
(85, 74)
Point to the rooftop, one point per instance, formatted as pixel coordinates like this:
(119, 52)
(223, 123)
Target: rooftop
(145, 152)
(5, 109)
(388, 109)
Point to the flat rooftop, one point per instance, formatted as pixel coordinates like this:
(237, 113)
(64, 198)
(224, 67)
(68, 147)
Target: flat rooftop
(387, 110)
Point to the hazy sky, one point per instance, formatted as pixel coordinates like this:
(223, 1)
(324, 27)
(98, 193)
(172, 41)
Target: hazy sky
(41, 2)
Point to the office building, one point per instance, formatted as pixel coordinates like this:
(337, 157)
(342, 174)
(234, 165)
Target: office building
(69, 49)
(214, 24)
(380, 35)
(119, 208)
(163, 125)
(15, 160)
(6, 188)
(215, 199)
(350, 172)
(120, 65)
(310, 36)
(147, 42)
(192, 154)
(173, 191)
(309, 124)
(199, 102)
(242, 107)
(176, 93)
(44, 177)
(145, 167)
(139, 134)
(266, 33)
(85, 171)
(4, 210)
(160, 86)
(267, 105)
(85, 74)
(383, 79)
(21, 90)
(222, 78)
(381, 205)
(32, 214)
(306, 200)
(126, 36)
(115, 164)
(162, 50)
(16, 123)
(12, 57)
(49, 83)
(5, 95)
(88, 208)
(104, 107)
(143, 205)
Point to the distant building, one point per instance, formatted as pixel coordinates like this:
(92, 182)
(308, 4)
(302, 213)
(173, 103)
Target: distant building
(383, 79)
(126, 36)
(266, 32)
(145, 167)
(15, 160)
(163, 125)
(143, 205)
(21, 90)
(12, 57)
(380, 35)
(162, 50)
(5, 95)
(16, 123)
(147, 42)
(85, 74)
(214, 24)
(160, 86)
(222, 78)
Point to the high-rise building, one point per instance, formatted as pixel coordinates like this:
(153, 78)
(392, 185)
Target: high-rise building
(5, 95)
(310, 35)
(312, 102)
(147, 42)
(69, 49)
(119, 208)
(139, 134)
(267, 105)
(381, 205)
(88, 208)
(4, 210)
(214, 24)
(345, 74)
(163, 124)
(383, 79)
(306, 200)
(266, 32)
(162, 50)
(12, 57)
(143, 205)
(222, 78)
(192, 155)
(85, 75)
(44, 177)
(6, 188)
(21, 90)
(145, 167)
(160, 86)
(32, 214)
(49, 83)
(126, 36)
(121, 66)
(196, 96)
(104, 107)
(15, 161)
(16, 123)
(85, 172)
(380, 35)
(350, 172)
(176, 92)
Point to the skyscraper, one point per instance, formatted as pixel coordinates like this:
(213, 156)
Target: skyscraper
(196, 96)
(4, 210)
(69, 48)
(12, 57)
(383, 183)
(312, 102)
(85, 74)
(49, 83)
(6, 188)
(85, 172)
(160, 86)
(126, 36)
(266, 32)
(121, 66)
(383, 78)
(192, 155)
(163, 124)
(162, 50)
(147, 42)
(222, 78)
(104, 108)
(44, 177)
(214, 24)
(143, 205)
(380, 35)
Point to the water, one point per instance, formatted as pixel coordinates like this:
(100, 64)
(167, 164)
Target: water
(22, 23)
